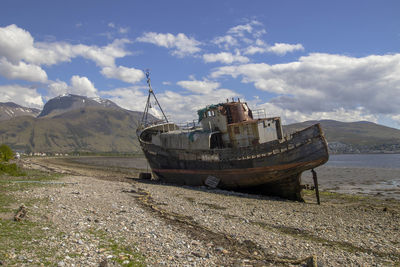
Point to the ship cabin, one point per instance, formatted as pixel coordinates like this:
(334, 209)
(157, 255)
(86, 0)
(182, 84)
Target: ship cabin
(224, 125)
(233, 125)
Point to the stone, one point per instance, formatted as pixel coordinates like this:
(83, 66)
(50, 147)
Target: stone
(103, 263)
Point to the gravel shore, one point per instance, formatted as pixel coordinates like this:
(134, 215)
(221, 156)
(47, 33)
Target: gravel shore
(163, 225)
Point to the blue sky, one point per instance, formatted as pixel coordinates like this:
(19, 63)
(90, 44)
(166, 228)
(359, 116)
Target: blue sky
(300, 60)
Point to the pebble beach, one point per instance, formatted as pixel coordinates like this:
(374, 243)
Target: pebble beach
(164, 225)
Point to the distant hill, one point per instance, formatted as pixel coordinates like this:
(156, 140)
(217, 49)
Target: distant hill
(355, 137)
(11, 110)
(88, 129)
(67, 102)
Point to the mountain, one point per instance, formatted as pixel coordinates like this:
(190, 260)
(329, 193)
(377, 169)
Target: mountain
(68, 102)
(87, 129)
(71, 123)
(11, 110)
(355, 137)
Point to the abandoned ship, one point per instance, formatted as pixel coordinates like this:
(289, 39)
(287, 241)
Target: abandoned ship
(231, 148)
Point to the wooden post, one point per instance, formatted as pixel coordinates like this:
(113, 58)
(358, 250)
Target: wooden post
(314, 176)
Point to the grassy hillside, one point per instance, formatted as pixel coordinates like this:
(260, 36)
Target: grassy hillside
(90, 129)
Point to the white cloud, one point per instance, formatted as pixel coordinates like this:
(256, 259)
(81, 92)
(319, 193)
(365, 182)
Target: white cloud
(179, 107)
(22, 71)
(333, 84)
(129, 75)
(132, 98)
(225, 57)
(180, 44)
(21, 95)
(18, 47)
(121, 30)
(82, 86)
(56, 88)
(200, 87)
(225, 41)
(277, 48)
(248, 28)
(240, 34)
(396, 118)
(15, 43)
(282, 49)
(183, 107)
(78, 86)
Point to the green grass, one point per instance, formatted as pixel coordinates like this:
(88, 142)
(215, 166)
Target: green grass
(119, 248)
(24, 236)
(17, 238)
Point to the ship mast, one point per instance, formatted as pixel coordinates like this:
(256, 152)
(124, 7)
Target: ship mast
(148, 104)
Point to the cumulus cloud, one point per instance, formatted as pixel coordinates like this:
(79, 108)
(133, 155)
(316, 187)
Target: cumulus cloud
(225, 57)
(21, 57)
(24, 96)
(241, 34)
(179, 107)
(246, 38)
(328, 83)
(180, 44)
(282, 48)
(132, 98)
(183, 107)
(82, 86)
(278, 48)
(225, 41)
(248, 28)
(200, 87)
(56, 88)
(129, 75)
(22, 71)
(78, 86)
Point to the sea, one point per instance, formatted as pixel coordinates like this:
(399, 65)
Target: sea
(370, 174)
(391, 161)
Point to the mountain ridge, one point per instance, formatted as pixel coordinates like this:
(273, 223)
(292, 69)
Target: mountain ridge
(9, 110)
(67, 102)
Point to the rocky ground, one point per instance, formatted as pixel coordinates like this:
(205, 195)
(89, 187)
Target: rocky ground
(100, 216)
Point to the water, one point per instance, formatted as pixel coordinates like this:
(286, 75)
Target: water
(390, 161)
(371, 174)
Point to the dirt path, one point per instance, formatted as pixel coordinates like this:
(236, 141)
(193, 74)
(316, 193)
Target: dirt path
(185, 226)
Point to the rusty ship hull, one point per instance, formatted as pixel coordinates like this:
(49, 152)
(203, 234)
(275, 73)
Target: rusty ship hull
(273, 168)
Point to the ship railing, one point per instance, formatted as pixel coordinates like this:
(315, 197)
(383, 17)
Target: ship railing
(151, 123)
(259, 113)
(189, 125)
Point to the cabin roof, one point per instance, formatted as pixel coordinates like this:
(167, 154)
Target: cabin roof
(203, 111)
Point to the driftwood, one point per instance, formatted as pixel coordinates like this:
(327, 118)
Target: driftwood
(21, 213)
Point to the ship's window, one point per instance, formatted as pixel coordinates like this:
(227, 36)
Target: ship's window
(236, 130)
(211, 113)
(265, 124)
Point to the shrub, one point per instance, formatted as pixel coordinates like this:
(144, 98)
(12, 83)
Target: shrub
(10, 169)
(5, 153)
